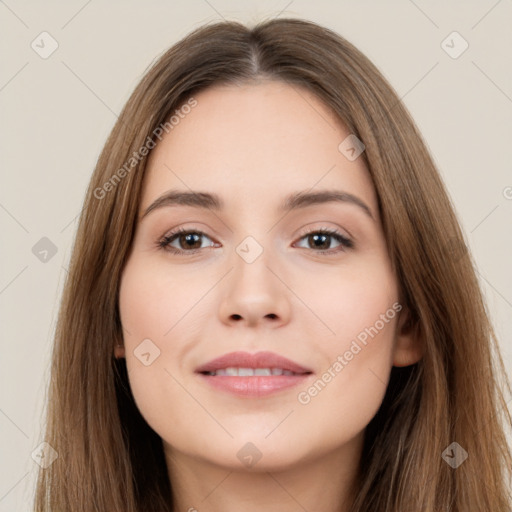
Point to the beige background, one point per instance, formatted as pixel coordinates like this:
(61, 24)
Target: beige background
(57, 112)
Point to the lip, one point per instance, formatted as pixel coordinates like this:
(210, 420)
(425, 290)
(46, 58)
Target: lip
(258, 360)
(253, 386)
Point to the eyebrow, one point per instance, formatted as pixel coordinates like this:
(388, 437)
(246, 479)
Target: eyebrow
(297, 200)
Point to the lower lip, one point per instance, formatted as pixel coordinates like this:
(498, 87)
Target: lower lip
(257, 386)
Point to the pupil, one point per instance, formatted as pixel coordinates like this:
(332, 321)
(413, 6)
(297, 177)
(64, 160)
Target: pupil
(315, 238)
(194, 238)
(189, 237)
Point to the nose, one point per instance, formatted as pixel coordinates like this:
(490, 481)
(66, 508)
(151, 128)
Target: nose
(254, 293)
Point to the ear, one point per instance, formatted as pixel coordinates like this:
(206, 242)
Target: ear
(119, 351)
(409, 345)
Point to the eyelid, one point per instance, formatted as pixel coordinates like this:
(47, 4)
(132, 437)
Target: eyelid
(346, 242)
(165, 240)
(323, 225)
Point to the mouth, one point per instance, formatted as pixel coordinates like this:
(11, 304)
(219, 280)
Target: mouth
(251, 372)
(253, 375)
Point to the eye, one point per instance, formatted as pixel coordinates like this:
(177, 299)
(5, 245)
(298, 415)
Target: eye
(320, 238)
(190, 241)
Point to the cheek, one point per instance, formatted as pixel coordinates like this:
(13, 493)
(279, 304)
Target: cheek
(361, 310)
(152, 300)
(348, 302)
(350, 389)
(153, 305)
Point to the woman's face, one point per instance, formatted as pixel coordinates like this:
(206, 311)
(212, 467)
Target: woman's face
(255, 275)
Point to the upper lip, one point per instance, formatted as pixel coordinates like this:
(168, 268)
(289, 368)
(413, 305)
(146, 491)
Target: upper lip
(247, 360)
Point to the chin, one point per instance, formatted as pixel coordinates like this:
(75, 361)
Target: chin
(253, 453)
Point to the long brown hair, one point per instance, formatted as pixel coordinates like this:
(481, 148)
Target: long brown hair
(109, 459)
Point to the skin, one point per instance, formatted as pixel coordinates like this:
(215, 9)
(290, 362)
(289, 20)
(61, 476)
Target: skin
(253, 145)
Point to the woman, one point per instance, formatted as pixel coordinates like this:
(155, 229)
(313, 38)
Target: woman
(270, 304)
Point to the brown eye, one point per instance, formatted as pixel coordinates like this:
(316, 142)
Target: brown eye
(321, 239)
(189, 241)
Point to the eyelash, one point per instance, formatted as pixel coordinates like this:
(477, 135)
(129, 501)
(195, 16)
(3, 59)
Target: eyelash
(346, 243)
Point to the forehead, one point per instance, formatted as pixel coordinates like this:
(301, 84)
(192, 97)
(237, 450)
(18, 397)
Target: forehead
(255, 141)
